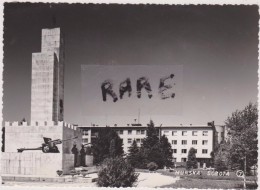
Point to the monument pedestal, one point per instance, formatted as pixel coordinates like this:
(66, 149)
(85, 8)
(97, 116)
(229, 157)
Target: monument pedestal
(35, 162)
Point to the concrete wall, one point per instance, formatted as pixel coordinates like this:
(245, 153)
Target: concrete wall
(67, 163)
(17, 136)
(69, 132)
(31, 163)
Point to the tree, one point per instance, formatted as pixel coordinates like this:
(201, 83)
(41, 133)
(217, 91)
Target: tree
(166, 151)
(133, 156)
(107, 144)
(151, 146)
(219, 163)
(192, 161)
(152, 136)
(116, 172)
(242, 133)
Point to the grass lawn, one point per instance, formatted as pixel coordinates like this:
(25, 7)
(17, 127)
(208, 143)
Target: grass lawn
(212, 184)
(205, 181)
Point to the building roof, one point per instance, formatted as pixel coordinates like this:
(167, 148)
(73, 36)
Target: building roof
(144, 126)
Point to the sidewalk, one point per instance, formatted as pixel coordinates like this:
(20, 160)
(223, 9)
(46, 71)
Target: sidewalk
(154, 180)
(54, 179)
(144, 180)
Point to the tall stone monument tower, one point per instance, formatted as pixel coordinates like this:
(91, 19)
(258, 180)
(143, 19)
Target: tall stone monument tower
(47, 97)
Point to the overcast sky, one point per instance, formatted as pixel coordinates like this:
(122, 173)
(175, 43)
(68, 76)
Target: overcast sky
(216, 45)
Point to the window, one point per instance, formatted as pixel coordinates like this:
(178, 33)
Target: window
(129, 132)
(166, 133)
(121, 132)
(138, 132)
(204, 151)
(138, 140)
(204, 142)
(142, 132)
(194, 133)
(183, 159)
(174, 159)
(129, 141)
(174, 150)
(184, 133)
(184, 142)
(85, 132)
(174, 133)
(174, 141)
(84, 141)
(194, 141)
(183, 151)
(205, 133)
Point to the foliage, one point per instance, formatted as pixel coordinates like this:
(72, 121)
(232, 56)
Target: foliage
(152, 166)
(219, 163)
(88, 150)
(242, 127)
(107, 144)
(134, 155)
(222, 157)
(152, 136)
(151, 146)
(116, 172)
(153, 149)
(192, 161)
(166, 151)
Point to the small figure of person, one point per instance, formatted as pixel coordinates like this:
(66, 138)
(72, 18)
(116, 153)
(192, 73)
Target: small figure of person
(74, 151)
(82, 156)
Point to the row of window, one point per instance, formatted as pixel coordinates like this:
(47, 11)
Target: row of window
(130, 132)
(84, 141)
(184, 151)
(130, 141)
(184, 133)
(121, 132)
(194, 142)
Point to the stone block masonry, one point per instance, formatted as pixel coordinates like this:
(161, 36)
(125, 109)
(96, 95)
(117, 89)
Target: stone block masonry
(35, 162)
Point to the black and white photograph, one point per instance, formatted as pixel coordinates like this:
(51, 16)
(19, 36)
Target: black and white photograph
(130, 95)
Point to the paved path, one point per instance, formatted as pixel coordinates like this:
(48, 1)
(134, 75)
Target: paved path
(154, 180)
(144, 180)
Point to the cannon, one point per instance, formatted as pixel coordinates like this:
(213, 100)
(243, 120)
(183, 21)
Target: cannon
(49, 145)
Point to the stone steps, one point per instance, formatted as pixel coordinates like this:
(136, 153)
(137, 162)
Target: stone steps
(63, 179)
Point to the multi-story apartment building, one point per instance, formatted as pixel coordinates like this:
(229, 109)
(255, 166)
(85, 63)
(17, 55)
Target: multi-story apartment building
(201, 137)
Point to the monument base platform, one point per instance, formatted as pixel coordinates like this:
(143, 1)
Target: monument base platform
(36, 163)
(63, 179)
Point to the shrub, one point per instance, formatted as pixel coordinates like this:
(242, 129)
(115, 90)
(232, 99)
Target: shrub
(219, 164)
(116, 172)
(152, 166)
(192, 162)
(88, 150)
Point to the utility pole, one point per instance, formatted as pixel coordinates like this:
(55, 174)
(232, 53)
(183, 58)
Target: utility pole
(245, 172)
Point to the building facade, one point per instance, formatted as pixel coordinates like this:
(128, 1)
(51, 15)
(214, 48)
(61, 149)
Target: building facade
(182, 138)
(47, 90)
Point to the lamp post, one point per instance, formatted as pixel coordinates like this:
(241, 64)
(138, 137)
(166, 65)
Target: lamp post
(245, 172)
(246, 151)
